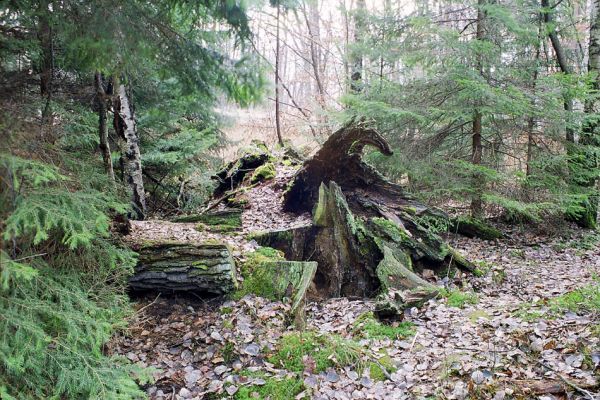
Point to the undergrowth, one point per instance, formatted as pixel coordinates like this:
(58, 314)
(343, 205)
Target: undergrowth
(273, 388)
(325, 351)
(62, 284)
(459, 299)
(368, 327)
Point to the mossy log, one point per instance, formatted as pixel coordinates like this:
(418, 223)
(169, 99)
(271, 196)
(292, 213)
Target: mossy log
(473, 227)
(232, 174)
(172, 266)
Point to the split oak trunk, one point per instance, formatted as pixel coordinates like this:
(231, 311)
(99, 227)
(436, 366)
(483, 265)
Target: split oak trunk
(130, 150)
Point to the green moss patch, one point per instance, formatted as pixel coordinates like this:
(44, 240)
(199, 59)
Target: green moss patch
(326, 351)
(585, 299)
(474, 227)
(390, 229)
(368, 327)
(476, 314)
(259, 280)
(263, 173)
(220, 221)
(376, 368)
(459, 299)
(273, 389)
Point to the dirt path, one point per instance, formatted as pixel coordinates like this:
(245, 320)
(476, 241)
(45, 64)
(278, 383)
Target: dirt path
(509, 343)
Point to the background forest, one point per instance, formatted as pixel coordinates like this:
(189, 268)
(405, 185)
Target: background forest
(114, 110)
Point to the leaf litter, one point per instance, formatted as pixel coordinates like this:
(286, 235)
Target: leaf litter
(508, 344)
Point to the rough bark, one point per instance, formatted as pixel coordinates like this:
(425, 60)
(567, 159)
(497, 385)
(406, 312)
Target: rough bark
(101, 104)
(130, 150)
(206, 268)
(477, 147)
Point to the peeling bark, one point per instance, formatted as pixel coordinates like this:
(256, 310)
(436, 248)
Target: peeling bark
(130, 151)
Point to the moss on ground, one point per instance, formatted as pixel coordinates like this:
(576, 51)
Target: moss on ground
(326, 350)
(459, 299)
(376, 368)
(220, 221)
(263, 173)
(585, 299)
(476, 314)
(368, 327)
(273, 389)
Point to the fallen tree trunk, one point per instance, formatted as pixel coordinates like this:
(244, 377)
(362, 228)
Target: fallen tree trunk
(171, 266)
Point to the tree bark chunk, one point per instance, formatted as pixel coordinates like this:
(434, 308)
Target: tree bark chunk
(205, 268)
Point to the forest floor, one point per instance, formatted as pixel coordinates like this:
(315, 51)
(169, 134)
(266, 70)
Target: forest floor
(519, 331)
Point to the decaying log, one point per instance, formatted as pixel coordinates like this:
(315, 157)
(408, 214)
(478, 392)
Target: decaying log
(171, 266)
(234, 173)
(473, 227)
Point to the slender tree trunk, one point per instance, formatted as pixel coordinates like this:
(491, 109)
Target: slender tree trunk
(130, 150)
(590, 135)
(562, 63)
(531, 119)
(277, 67)
(357, 60)
(101, 99)
(47, 59)
(477, 148)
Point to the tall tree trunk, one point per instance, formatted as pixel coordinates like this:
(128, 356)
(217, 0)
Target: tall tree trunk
(562, 63)
(356, 56)
(277, 67)
(531, 119)
(130, 150)
(101, 99)
(477, 148)
(47, 60)
(590, 135)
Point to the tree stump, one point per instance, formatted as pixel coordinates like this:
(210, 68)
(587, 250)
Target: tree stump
(368, 237)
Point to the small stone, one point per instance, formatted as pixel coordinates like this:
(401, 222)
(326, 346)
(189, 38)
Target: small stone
(252, 349)
(220, 369)
(366, 382)
(231, 390)
(352, 375)
(332, 376)
(186, 394)
(477, 377)
(216, 336)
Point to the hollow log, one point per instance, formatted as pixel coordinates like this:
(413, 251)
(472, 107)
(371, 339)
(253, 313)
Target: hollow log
(171, 266)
